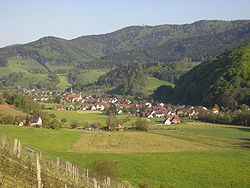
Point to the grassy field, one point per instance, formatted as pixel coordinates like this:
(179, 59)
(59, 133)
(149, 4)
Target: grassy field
(87, 117)
(18, 64)
(153, 83)
(64, 84)
(11, 112)
(80, 117)
(133, 142)
(91, 75)
(195, 155)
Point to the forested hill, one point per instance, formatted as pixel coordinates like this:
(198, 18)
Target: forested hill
(196, 48)
(141, 37)
(223, 79)
(135, 43)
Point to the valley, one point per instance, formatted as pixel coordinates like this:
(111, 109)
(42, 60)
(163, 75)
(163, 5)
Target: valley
(143, 106)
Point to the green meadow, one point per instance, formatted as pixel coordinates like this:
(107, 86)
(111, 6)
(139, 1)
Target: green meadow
(152, 84)
(64, 84)
(195, 155)
(91, 75)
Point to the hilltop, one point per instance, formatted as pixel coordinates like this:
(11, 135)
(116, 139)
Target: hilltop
(134, 43)
(34, 65)
(223, 79)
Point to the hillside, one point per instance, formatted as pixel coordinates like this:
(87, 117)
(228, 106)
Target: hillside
(143, 78)
(90, 55)
(193, 48)
(52, 51)
(223, 79)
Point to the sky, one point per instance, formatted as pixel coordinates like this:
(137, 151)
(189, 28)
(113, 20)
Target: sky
(24, 21)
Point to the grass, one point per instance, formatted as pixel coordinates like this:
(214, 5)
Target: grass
(64, 84)
(43, 139)
(11, 112)
(132, 142)
(19, 64)
(152, 84)
(88, 117)
(181, 169)
(91, 75)
(81, 117)
(200, 157)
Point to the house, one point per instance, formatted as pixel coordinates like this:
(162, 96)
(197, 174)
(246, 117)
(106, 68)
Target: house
(73, 98)
(60, 107)
(172, 120)
(215, 110)
(190, 113)
(119, 128)
(33, 121)
(85, 107)
(22, 123)
(93, 107)
(70, 107)
(7, 106)
(94, 127)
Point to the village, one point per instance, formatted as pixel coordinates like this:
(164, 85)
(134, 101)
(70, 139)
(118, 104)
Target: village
(70, 101)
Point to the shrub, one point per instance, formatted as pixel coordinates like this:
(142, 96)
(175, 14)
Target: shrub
(55, 124)
(141, 125)
(104, 168)
(64, 120)
(146, 185)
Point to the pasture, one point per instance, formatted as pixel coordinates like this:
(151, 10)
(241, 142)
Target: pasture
(195, 155)
(152, 84)
(91, 75)
(64, 84)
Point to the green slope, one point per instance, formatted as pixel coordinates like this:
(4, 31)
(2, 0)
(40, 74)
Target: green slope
(153, 83)
(223, 79)
(154, 40)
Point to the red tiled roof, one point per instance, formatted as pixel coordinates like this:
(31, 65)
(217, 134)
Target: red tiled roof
(7, 106)
(60, 106)
(173, 117)
(73, 96)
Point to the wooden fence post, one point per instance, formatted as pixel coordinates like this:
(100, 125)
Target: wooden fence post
(39, 180)
(15, 147)
(19, 149)
(4, 142)
(95, 183)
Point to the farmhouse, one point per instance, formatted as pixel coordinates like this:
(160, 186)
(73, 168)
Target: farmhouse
(171, 120)
(215, 110)
(33, 121)
(73, 98)
(60, 107)
(119, 128)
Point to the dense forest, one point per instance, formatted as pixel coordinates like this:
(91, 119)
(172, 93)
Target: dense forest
(197, 48)
(163, 43)
(164, 71)
(223, 79)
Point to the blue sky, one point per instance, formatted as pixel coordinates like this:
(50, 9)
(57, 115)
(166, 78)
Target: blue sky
(28, 20)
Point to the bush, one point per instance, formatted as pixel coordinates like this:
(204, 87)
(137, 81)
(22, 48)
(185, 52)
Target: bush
(52, 115)
(7, 119)
(104, 168)
(146, 185)
(64, 120)
(55, 124)
(141, 125)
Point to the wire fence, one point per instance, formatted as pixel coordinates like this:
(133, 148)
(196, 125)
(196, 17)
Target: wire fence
(49, 171)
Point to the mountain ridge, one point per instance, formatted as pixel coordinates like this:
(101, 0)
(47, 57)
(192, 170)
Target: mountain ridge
(54, 50)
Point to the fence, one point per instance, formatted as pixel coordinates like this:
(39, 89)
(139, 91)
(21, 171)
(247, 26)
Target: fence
(47, 171)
